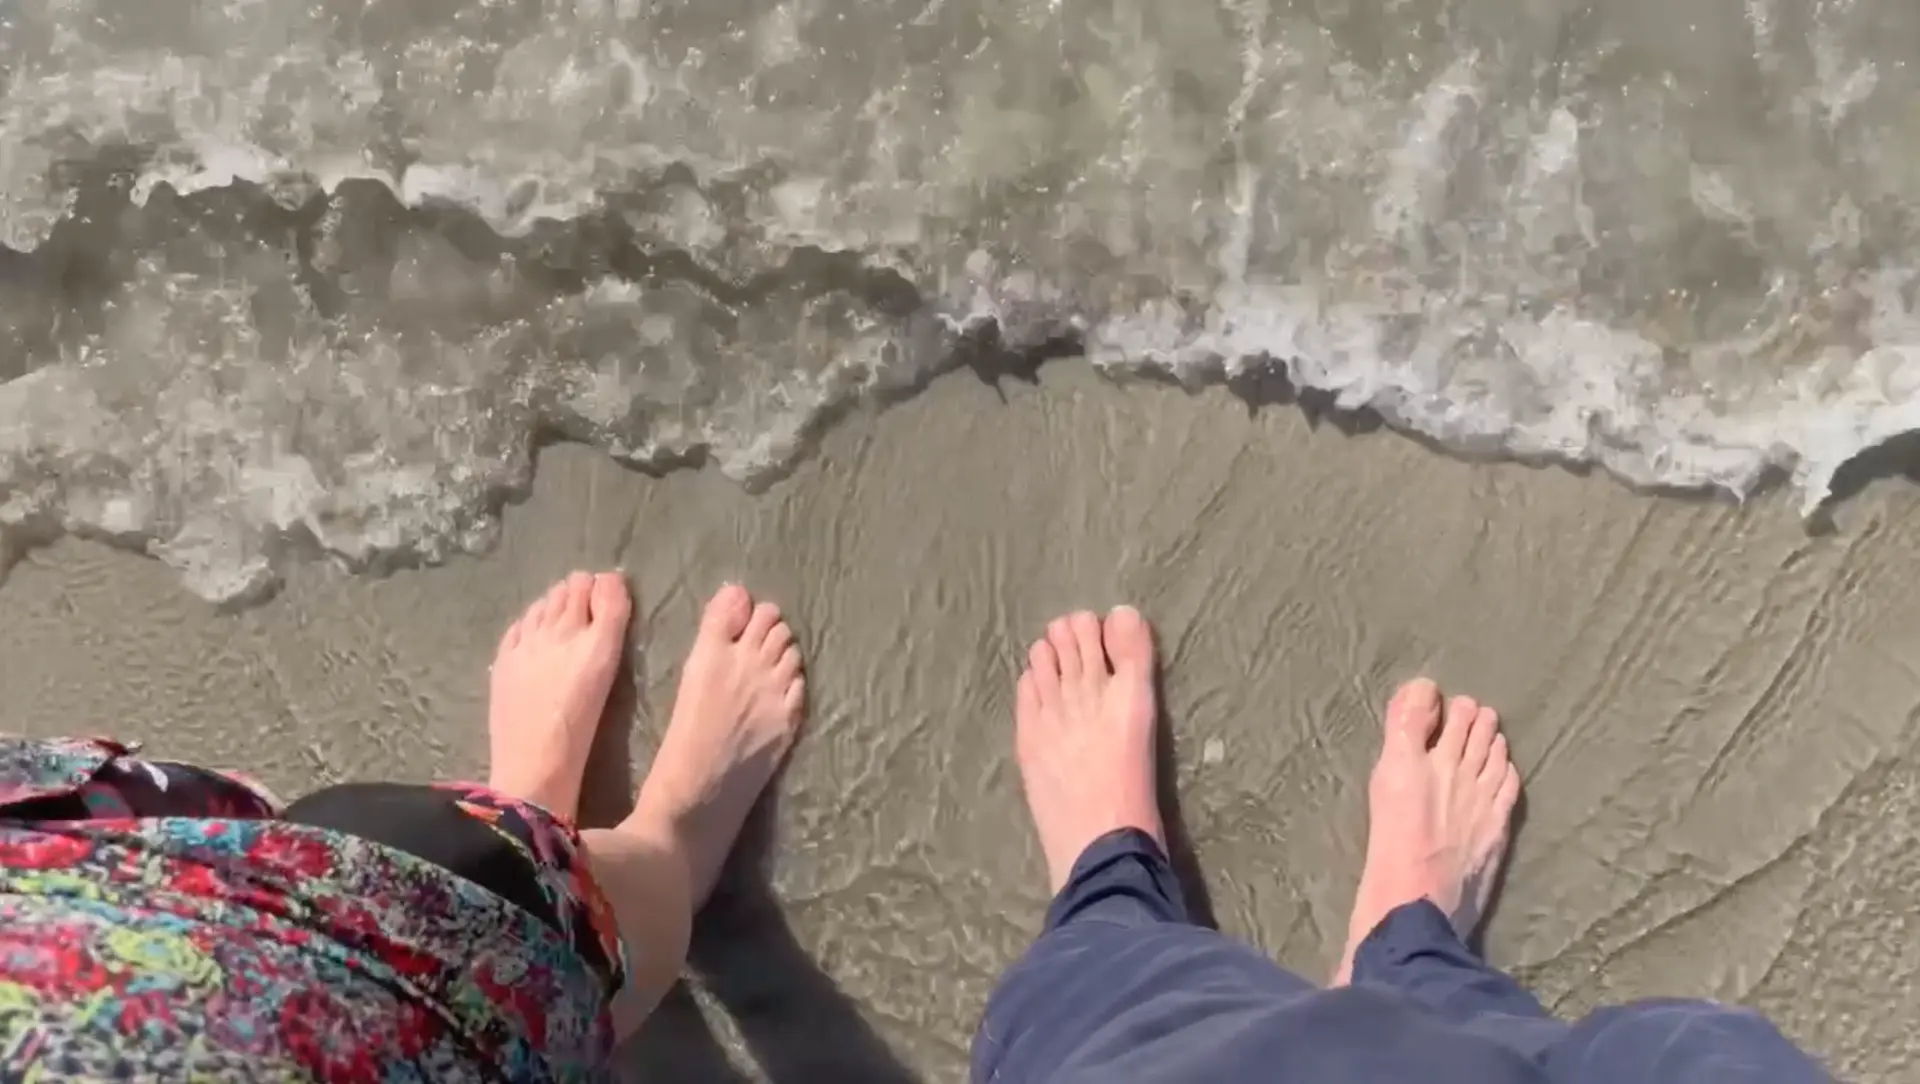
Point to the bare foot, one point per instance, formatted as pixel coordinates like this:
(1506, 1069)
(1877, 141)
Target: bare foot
(550, 680)
(1083, 722)
(741, 697)
(1439, 812)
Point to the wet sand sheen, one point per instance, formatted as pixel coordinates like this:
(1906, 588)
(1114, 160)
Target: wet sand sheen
(1714, 711)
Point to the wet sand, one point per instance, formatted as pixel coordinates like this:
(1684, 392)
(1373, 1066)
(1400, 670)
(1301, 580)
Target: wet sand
(1716, 712)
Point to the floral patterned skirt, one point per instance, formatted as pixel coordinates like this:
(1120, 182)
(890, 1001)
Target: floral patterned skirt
(159, 921)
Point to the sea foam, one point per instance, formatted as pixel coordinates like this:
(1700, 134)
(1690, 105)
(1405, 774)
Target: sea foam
(287, 279)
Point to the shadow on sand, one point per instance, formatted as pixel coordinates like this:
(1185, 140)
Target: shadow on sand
(797, 1025)
(1180, 852)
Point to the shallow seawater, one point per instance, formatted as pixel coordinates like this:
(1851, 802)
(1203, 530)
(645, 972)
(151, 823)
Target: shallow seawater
(281, 277)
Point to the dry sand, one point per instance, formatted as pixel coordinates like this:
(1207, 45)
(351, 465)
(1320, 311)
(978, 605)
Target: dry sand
(1715, 710)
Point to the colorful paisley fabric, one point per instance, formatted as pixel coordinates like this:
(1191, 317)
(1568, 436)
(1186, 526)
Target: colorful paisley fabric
(178, 931)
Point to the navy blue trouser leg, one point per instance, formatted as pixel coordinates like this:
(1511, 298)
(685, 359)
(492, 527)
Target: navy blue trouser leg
(1661, 1041)
(1415, 951)
(1119, 967)
(1122, 988)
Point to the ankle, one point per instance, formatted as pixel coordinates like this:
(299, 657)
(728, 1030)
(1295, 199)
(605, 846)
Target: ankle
(658, 825)
(664, 810)
(545, 790)
(652, 813)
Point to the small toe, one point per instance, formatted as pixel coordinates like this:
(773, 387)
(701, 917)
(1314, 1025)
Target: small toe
(727, 612)
(553, 606)
(1026, 697)
(1066, 647)
(795, 700)
(1461, 711)
(610, 601)
(534, 618)
(1509, 793)
(761, 624)
(1486, 727)
(779, 640)
(572, 611)
(788, 666)
(1495, 769)
(1044, 664)
(510, 639)
(1086, 636)
(1414, 713)
(1128, 640)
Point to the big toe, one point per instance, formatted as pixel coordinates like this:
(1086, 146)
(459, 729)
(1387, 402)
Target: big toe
(727, 613)
(1414, 714)
(1129, 642)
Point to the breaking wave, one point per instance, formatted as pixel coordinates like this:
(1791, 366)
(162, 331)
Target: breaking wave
(318, 277)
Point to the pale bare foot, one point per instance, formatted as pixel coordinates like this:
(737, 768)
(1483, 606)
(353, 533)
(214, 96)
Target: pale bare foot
(550, 680)
(1083, 731)
(1439, 811)
(741, 697)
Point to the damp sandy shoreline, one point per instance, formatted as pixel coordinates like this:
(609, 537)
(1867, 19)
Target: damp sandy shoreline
(1717, 711)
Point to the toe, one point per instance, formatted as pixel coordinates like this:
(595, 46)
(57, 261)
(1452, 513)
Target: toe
(1066, 647)
(510, 639)
(761, 624)
(1044, 664)
(609, 602)
(1495, 769)
(553, 605)
(788, 666)
(572, 610)
(535, 617)
(1129, 642)
(1453, 733)
(1026, 696)
(1086, 637)
(1414, 713)
(1509, 793)
(779, 641)
(1486, 727)
(795, 700)
(727, 612)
